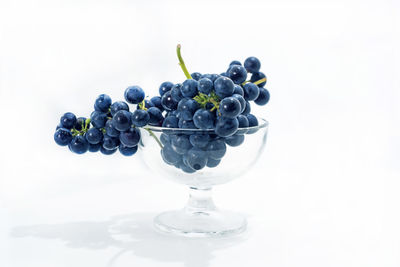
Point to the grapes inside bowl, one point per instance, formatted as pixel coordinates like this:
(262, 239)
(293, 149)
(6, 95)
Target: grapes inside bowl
(200, 133)
(177, 154)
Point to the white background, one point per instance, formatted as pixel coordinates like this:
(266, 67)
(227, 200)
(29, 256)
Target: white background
(326, 191)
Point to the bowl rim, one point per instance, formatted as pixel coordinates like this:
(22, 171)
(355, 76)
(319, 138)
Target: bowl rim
(264, 124)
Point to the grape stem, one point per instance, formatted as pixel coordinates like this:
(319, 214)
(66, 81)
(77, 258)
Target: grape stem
(256, 82)
(154, 136)
(181, 63)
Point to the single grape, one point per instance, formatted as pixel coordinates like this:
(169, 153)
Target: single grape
(167, 102)
(238, 90)
(199, 140)
(169, 155)
(102, 103)
(216, 149)
(127, 151)
(224, 87)
(170, 122)
(165, 87)
(156, 100)
(140, 117)
(241, 100)
(211, 163)
(110, 142)
(252, 64)
(106, 151)
(205, 86)
(155, 116)
(95, 147)
(253, 122)
(189, 88)
(110, 129)
(196, 158)
(63, 136)
(247, 109)
(234, 140)
(117, 106)
(94, 136)
(263, 97)
(235, 62)
(134, 94)
(226, 126)
(237, 73)
(176, 93)
(251, 91)
(78, 144)
(130, 138)
(68, 120)
(122, 120)
(98, 119)
(204, 119)
(181, 143)
(243, 121)
(230, 107)
(196, 75)
(258, 76)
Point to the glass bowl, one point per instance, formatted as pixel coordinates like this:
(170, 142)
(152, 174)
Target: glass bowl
(169, 152)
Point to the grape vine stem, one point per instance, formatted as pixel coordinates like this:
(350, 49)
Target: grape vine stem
(181, 63)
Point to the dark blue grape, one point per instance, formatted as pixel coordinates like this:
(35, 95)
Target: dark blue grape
(134, 94)
(165, 139)
(252, 64)
(165, 87)
(199, 140)
(243, 121)
(110, 129)
(110, 142)
(251, 91)
(167, 102)
(186, 124)
(258, 76)
(98, 119)
(214, 76)
(181, 143)
(122, 120)
(170, 122)
(226, 126)
(156, 100)
(95, 147)
(196, 158)
(169, 155)
(68, 120)
(62, 136)
(253, 122)
(235, 62)
(196, 75)
(127, 151)
(155, 116)
(94, 136)
(189, 88)
(216, 149)
(117, 106)
(230, 107)
(247, 109)
(211, 163)
(102, 103)
(176, 93)
(224, 87)
(234, 140)
(78, 144)
(263, 97)
(130, 138)
(204, 119)
(241, 100)
(238, 90)
(106, 151)
(140, 117)
(205, 86)
(238, 74)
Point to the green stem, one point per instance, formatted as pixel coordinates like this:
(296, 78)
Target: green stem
(181, 63)
(154, 136)
(256, 82)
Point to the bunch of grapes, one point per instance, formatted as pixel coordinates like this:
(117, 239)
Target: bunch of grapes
(218, 103)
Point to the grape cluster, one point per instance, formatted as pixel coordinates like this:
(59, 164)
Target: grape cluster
(219, 104)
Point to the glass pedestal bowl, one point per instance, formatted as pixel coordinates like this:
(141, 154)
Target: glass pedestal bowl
(169, 152)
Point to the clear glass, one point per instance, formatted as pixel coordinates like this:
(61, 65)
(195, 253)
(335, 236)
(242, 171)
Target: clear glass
(200, 217)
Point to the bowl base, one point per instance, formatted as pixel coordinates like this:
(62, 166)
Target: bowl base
(200, 224)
